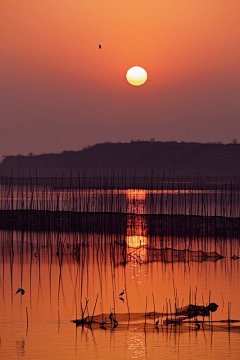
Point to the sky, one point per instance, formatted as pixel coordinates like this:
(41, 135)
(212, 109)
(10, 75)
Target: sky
(59, 91)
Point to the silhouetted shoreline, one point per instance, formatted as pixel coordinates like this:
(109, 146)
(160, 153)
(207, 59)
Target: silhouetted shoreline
(139, 157)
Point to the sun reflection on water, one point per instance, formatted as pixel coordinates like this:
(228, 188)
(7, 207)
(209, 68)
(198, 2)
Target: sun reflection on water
(136, 343)
(137, 232)
(137, 226)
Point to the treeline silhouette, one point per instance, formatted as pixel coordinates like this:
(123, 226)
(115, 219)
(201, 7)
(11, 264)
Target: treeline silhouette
(135, 155)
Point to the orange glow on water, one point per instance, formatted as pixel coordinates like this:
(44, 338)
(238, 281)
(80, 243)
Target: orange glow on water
(54, 288)
(137, 227)
(136, 240)
(136, 201)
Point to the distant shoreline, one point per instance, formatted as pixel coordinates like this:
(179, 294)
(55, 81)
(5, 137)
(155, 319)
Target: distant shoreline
(136, 157)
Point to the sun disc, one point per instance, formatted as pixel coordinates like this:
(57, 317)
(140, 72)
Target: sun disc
(136, 76)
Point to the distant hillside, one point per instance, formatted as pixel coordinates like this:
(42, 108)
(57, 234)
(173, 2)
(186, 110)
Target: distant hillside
(138, 155)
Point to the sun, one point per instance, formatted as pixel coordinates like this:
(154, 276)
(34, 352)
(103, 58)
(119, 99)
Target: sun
(136, 76)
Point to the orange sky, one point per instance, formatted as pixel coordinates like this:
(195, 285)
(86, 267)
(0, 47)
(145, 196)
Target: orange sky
(60, 92)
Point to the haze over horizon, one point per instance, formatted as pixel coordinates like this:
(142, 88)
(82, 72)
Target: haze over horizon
(59, 91)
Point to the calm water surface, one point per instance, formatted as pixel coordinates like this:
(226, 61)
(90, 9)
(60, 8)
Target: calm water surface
(201, 201)
(69, 268)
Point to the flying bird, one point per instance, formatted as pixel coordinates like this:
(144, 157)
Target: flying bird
(99, 46)
(122, 293)
(20, 290)
(35, 254)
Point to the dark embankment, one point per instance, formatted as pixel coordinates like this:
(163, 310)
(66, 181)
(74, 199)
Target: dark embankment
(134, 155)
(122, 224)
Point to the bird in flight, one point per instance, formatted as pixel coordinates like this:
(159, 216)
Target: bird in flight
(20, 290)
(99, 46)
(122, 293)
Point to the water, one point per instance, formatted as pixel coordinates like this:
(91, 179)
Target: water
(219, 201)
(71, 267)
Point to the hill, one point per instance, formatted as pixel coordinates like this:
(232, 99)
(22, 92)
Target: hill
(140, 155)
